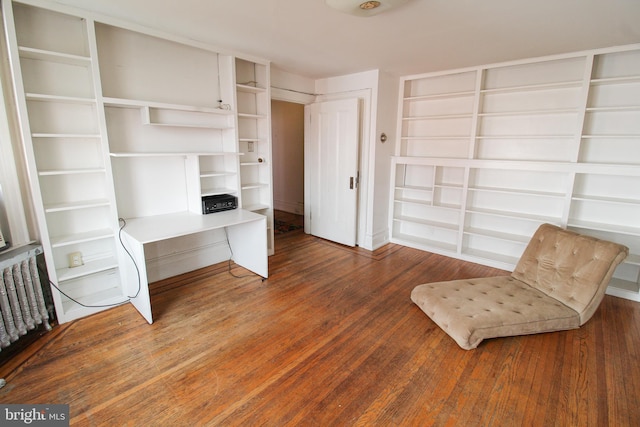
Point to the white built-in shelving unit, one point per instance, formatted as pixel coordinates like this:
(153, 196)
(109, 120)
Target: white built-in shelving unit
(487, 154)
(254, 128)
(62, 121)
(121, 122)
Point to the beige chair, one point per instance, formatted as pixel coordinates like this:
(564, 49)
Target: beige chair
(557, 284)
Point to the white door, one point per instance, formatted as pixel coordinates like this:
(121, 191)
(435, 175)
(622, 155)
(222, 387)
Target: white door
(331, 170)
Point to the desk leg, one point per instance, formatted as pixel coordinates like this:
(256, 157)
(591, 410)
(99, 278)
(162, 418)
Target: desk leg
(141, 301)
(249, 245)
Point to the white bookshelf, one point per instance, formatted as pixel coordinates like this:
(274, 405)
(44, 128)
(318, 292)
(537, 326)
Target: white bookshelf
(254, 131)
(552, 140)
(122, 122)
(437, 116)
(54, 66)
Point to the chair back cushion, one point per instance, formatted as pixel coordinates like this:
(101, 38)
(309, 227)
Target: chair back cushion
(569, 267)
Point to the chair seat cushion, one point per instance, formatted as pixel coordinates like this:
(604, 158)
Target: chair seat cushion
(471, 310)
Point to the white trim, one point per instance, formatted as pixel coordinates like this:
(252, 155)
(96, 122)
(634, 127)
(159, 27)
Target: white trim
(379, 239)
(287, 95)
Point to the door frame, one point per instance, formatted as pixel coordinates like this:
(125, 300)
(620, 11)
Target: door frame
(364, 216)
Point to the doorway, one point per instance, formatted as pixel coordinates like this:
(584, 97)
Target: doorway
(299, 100)
(287, 145)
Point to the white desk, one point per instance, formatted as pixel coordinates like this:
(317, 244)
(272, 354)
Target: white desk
(247, 232)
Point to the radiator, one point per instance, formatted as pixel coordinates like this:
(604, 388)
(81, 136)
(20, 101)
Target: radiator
(22, 303)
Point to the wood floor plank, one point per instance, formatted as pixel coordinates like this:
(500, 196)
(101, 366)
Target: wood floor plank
(330, 338)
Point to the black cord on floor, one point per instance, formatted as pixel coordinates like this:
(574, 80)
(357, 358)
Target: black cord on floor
(129, 298)
(115, 304)
(124, 223)
(231, 257)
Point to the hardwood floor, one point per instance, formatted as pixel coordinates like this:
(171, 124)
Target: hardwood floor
(331, 338)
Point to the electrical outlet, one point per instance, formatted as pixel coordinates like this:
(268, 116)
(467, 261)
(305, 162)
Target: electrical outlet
(250, 146)
(75, 259)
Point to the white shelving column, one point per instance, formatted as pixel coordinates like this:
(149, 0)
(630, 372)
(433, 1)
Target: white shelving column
(527, 119)
(254, 129)
(436, 117)
(56, 85)
(606, 193)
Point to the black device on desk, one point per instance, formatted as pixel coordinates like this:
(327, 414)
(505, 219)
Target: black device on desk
(218, 203)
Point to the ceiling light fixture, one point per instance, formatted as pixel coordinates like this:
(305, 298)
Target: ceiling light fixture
(364, 8)
(368, 5)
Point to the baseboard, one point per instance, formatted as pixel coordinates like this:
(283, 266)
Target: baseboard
(377, 240)
(291, 207)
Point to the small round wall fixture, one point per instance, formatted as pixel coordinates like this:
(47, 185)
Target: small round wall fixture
(383, 137)
(364, 7)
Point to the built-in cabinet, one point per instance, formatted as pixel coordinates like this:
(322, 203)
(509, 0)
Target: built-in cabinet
(485, 155)
(118, 123)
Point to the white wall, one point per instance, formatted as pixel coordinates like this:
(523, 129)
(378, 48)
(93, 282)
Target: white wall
(385, 123)
(20, 218)
(290, 87)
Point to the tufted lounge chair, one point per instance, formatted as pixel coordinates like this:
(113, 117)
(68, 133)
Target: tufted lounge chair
(557, 284)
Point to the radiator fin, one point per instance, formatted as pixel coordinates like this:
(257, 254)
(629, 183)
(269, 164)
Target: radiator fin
(22, 303)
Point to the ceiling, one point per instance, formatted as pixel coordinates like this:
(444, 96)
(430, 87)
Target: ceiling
(306, 37)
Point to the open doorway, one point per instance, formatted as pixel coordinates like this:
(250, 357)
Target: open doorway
(287, 145)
